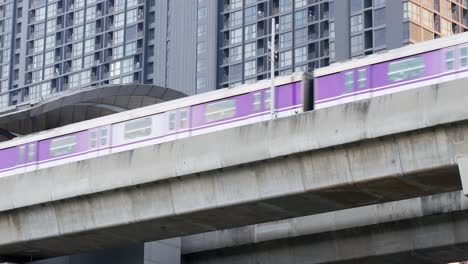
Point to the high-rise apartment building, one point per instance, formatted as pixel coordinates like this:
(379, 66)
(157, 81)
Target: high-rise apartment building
(315, 33)
(194, 46)
(51, 46)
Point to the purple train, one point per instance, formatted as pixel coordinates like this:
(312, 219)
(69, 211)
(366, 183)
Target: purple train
(402, 69)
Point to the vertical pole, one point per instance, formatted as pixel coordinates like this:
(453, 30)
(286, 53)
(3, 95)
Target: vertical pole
(272, 68)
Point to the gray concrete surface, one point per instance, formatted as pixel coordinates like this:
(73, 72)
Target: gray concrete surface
(384, 149)
(431, 229)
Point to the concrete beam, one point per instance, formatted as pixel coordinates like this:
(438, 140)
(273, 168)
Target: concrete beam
(383, 149)
(430, 229)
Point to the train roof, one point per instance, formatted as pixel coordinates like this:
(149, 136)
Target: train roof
(409, 50)
(153, 109)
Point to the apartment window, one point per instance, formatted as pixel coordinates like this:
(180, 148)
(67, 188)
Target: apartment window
(250, 50)
(49, 57)
(236, 36)
(332, 29)
(39, 45)
(127, 66)
(300, 3)
(235, 53)
(300, 18)
(115, 68)
(356, 6)
(88, 61)
(250, 32)
(380, 38)
(357, 44)
(48, 73)
(89, 46)
(90, 29)
(78, 33)
(356, 23)
(119, 20)
(286, 22)
(78, 17)
(37, 61)
(405, 10)
(378, 3)
(118, 37)
(236, 3)
(249, 68)
(250, 14)
(331, 46)
(236, 18)
(285, 5)
(131, 48)
(40, 14)
(285, 58)
(379, 17)
(286, 40)
(50, 26)
(52, 10)
(300, 55)
(132, 16)
(300, 36)
(90, 13)
(77, 50)
(77, 65)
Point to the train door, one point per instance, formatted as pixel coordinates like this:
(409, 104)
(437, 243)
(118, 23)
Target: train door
(179, 123)
(27, 154)
(99, 140)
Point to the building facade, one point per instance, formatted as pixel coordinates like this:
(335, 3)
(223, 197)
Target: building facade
(51, 46)
(315, 33)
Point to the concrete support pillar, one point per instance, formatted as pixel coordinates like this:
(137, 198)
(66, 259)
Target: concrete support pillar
(463, 168)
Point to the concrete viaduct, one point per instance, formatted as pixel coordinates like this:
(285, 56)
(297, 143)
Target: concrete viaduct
(398, 147)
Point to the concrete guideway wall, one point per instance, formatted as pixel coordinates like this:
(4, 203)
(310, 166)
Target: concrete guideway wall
(383, 149)
(430, 229)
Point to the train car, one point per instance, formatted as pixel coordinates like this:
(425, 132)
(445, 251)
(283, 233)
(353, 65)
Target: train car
(155, 124)
(401, 69)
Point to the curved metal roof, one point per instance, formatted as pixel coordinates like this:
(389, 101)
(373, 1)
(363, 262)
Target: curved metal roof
(79, 105)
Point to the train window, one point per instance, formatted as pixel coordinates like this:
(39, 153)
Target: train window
(31, 152)
(405, 69)
(449, 60)
(93, 139)
(464, 56)
(183, 119)
(62, 146)
(21, 154)
(362, 78)
(172, 120)
(138, 128)
(220, 110)
(103, 136)
(256, 102)
(349, 81)
(268, 99)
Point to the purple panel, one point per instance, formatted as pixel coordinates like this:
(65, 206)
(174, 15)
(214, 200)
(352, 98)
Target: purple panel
(286, 95)
(8, 157)
(333, 85)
